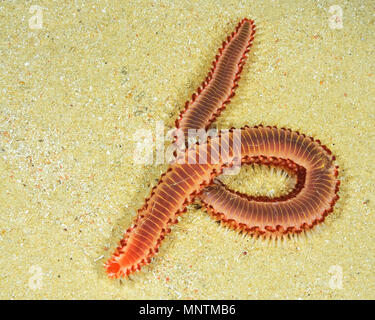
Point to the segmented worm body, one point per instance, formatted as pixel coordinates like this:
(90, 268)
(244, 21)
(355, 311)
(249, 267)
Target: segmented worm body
(313, 197)
(221, 82)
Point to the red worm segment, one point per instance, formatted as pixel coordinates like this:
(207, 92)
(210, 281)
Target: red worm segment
(308, 204)
(221, 82)
(175, 190)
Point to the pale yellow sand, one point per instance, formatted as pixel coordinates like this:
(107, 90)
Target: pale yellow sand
(74, 92)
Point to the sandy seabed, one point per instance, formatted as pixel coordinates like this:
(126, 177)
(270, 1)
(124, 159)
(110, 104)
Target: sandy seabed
(76, 88)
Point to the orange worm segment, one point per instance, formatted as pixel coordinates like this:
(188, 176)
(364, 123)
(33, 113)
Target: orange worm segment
(221, 82)
(308, 204)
